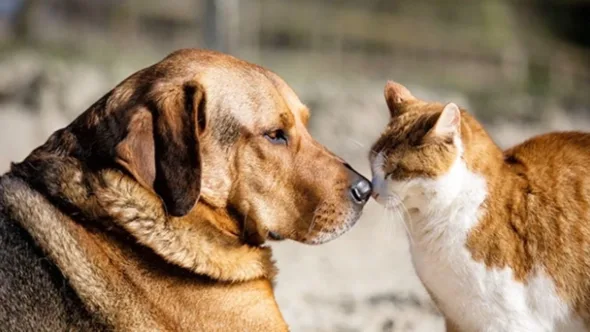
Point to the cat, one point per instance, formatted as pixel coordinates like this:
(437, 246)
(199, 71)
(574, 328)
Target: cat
(500, 239)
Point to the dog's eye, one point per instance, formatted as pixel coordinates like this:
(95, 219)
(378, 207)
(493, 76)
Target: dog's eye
(276, 137)
(388, 175)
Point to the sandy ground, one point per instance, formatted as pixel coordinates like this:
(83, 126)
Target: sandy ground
(363, 281)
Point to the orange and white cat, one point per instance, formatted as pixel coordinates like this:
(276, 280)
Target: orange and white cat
(500, 239)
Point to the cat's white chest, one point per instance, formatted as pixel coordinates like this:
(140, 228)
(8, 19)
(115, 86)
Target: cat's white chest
(474, 296)
(441, 213)
(478, 298)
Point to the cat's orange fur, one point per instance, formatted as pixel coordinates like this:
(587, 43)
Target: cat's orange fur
(535, 218)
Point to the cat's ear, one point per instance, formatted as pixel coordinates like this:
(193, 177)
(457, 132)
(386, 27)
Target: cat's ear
(449, 121)
(395, 96)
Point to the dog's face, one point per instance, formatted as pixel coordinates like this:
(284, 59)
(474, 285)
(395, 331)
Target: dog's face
(260, 161)
(206, 127)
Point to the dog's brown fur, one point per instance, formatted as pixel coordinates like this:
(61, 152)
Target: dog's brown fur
(154, 204)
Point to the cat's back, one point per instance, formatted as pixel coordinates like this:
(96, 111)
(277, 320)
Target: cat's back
(551, 159)
(572, 145)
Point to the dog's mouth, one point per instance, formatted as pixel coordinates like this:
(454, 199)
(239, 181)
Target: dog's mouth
(328, 222)
(274, 236)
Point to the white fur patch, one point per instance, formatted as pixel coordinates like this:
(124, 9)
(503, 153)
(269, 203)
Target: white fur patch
(441, 212)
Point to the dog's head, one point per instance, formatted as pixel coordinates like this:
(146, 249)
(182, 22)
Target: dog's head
(205, 127)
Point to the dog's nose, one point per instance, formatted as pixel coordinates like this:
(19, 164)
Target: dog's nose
(360, 188)
(361, 191)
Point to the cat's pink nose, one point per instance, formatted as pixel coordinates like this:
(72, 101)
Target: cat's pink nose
(375, 195)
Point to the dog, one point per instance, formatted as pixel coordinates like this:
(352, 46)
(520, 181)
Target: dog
(150, 211)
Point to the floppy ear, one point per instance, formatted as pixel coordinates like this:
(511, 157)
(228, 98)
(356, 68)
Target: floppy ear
(161, 147)
(395, 95)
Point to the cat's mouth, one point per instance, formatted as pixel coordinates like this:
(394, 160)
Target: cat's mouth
(389, 201)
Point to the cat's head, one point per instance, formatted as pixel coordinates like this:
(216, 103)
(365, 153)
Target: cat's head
(418, 151)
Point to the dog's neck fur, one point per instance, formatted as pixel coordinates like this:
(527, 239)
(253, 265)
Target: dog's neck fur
(126, 284)
(128, 261)
(204, 242)
(72, 250)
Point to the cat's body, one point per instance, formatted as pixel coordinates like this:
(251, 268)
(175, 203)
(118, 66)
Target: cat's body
(501, 240)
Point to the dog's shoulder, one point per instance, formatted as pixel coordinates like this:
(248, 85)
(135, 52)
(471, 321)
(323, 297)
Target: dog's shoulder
(34, 295)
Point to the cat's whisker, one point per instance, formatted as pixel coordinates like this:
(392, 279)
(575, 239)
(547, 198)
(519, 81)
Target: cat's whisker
(406, 226)
(384, 219)
(357, 143)
(408, 216)
(393, 208)
(397, 215)
(391, 218)
(388, 213)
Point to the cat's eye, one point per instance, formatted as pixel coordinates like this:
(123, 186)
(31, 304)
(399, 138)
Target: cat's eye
(388, 175)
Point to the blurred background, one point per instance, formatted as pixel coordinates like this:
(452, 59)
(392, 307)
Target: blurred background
(521, 66)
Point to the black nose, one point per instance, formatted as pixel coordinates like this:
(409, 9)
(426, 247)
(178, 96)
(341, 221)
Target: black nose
(361, 191)
(360, 188)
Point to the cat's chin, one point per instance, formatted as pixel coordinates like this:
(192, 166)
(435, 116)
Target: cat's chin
(382, 200)
(407, 206)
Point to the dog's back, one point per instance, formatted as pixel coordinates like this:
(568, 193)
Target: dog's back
(34, 295)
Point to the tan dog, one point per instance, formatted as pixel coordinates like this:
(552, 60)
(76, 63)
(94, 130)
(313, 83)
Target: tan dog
(153, 205)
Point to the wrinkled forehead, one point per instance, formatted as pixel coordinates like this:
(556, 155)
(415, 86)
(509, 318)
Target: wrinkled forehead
(254, 97)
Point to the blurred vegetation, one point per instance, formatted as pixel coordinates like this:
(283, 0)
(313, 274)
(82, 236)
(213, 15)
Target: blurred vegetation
(511, 59)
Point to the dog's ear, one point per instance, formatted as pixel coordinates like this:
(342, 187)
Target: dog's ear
(161, 146)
